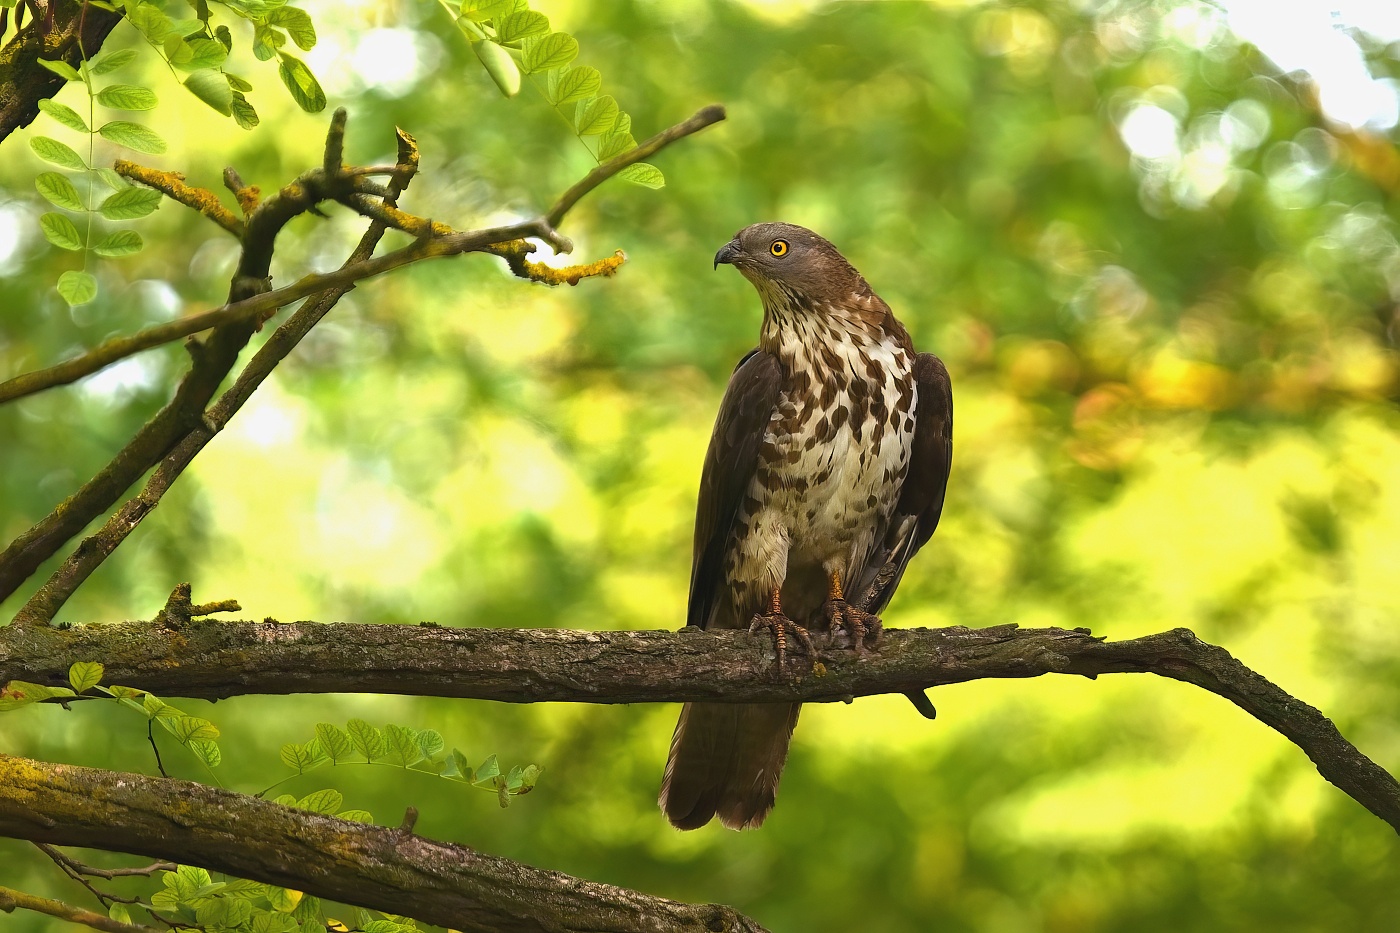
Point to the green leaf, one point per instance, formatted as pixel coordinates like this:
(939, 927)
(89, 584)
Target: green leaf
(150, 21)
(187, 27)
(207, 752)
(334, 741)
(124, 693)
(302, 758)
(177, 50)
(133, 136)
(570, 84)
(64, 114)
(119, 243)
(500, 66)
(167, 900)
(243, 113)
(298, 24)
(127, 97)
(119, 913)
(272, 923)
(84, 675)
(110, 61)
(60, 231)
(529, 777)
(310, 910)
(322, 801)
(224, 912)
(60, 68)
(541, 53)
(59, 191)
(51, 150)
(192, 728)
(204, 53)
(458, 767)
(210, 86)
(19, 693)
(153, 705)
(283, 900)
(264, 42)
(237, 83)
(366, 739)
(403, 745)
(430, 742)
(614, 144)
(595, 116)
(520, 25)
(488, 772)
(482, 10)
(77, 288)
(224, 37)
(241, 887)
(302, 84)
(130, 203)
(644, 174)
(358, 816)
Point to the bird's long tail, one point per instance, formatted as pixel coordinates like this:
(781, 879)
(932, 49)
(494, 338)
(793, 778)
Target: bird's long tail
(726, 759)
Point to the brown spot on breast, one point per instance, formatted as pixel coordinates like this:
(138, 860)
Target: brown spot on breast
(840, 416)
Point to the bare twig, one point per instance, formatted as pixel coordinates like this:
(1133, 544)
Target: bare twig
(354, 863)
(11, 899)
(82, 868)
(175, 432)
(216, 660)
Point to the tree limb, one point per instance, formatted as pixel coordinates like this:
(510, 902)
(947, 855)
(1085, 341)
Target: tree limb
(212, 660)
(11, 899)
(369, 866)
(23, 81)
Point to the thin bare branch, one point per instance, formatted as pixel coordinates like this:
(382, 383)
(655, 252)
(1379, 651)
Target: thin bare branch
(172, 185)
(10, 899)
(378, 867)
(213, 660)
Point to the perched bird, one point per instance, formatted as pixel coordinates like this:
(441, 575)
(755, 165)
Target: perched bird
(825, 473)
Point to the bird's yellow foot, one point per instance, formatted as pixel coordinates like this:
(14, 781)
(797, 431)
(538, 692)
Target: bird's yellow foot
(780, 625)
(850, 627)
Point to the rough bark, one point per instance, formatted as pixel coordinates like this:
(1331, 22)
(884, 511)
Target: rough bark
(354, 863)
(213, 660)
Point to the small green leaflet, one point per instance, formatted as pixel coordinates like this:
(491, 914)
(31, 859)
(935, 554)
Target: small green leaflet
(110, 61)
(403, 745)
(335, 742)
(84, 675)
(207, 752)
(596, 116)
(210, 86)
(130, 203)
(322, 801)
(59, 191)
(302, 758)
(644, 174)
(64, 114)
(133, 136)
(77, 288)
(302, 84)
(191, 728)
(127, 97)
(243, 113)
(565, 85)
(60, 68)
(615, 143)
(18, 693)
(541, 53)
(520, 25)
(60, 231)
(204, 53)
(366, 739)
(298, 25)
(51, 150)
(118, 243)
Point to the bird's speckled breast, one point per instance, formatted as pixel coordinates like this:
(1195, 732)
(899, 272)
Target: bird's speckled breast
(831, 464)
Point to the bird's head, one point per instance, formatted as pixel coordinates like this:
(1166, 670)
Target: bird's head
(786, 262)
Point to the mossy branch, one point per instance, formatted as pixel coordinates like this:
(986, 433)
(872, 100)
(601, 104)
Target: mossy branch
(212, 660)
(377, 867)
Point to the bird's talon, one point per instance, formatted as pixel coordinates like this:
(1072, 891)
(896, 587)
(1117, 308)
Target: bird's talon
(780, 625)
(845, 621)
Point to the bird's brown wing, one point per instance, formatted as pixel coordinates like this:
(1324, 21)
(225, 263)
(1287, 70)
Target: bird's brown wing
(921, 498)
(730, 464)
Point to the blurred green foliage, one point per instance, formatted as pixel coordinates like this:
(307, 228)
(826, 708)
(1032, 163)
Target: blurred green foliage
(1174, 372)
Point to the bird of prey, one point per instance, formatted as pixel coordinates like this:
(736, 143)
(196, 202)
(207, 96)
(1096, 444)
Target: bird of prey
(825, 473)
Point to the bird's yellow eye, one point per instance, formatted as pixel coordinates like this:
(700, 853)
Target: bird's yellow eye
(779, 248)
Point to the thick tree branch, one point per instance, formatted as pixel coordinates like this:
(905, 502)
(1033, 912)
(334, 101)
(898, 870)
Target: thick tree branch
(213, 660)
(369, 866)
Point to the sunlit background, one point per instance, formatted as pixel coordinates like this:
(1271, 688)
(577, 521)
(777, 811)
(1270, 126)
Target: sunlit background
(1155, 244)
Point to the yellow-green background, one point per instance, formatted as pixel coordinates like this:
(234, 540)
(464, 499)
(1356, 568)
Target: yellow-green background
(1172, 410)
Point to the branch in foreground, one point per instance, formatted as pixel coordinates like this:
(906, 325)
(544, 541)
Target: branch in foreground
(11, 899)
(368, 866)
(212, 660)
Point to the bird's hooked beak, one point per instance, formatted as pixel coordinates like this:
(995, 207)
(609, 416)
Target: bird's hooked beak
(728, 252)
